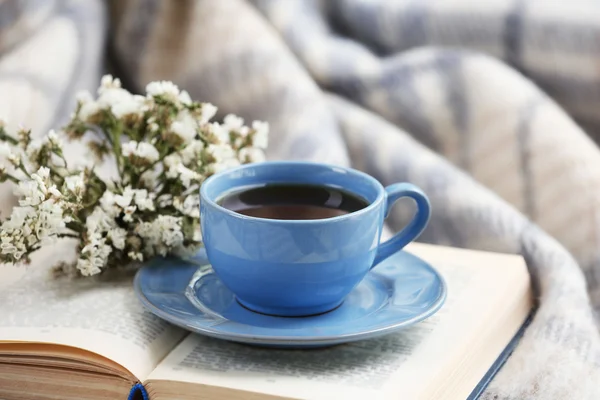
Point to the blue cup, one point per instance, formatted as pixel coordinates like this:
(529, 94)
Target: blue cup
(301, 267)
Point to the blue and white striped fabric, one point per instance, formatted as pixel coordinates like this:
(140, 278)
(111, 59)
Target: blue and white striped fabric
(493, 107)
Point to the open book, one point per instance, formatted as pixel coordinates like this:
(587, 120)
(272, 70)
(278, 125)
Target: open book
(92, 340)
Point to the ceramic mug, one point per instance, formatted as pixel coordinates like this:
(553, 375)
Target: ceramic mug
(301, 267)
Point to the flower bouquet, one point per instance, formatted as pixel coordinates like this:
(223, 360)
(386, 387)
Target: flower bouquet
(163, 146)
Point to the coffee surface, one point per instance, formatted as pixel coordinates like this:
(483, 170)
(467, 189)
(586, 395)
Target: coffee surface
(292, 201)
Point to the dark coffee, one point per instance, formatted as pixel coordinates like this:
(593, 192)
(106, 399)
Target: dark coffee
(292, 201)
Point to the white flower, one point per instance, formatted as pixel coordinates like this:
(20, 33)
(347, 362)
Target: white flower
(109, 205)
(88, 267)
(191, 152)
(251, 154)
(135, 256)
(108, 82)
(224, 165)
(260, 138)
(54, 191)
(2, 122)
(184, 127)
(29, 225)
(129, 148)
(165, 200)
(88, 110)
(129, 211)
(143, 200)
(153, 127)
(140, 150)
(31, 193)
(219, 132)
(184, 97)
(147, 151)
(129, 105)
(94, 256)
(14, 159)
(208, 111)
(117, 237)
(233, 122)
(186, 175)
(224, 157)
(220, 152)
(53, 139)
(172, 160)
(123, 200)
(190, 206)
(99, 222)
(75, 184)
(162, 234)
(84, 97)
(163, 88)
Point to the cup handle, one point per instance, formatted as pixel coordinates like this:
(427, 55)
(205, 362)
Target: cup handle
(410, 231)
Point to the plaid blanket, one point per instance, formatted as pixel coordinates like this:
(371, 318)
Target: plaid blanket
(491, 107)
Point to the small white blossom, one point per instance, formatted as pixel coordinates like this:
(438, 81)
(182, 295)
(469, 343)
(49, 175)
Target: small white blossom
(184, 97)
(129, 211)
(140, 150)
(225, 165)
(53, 139)
(219, 132)
(161, 234)
(144, 200)
(163, 88)
(221, 152)
(260, 138)
(88, 110)
(84, 97)
(54, 191)
(208, 111)
(108, 82)
(129, 105)
(165, 200)
(191, 152)
(190, 206)
(135, 256)
(251, 154)
(75, 184)
(94, 256)
(233, 122)
(109, 205)
(117, 237)
(186, 175)
(184, 127)
(99, 222)
(224, 157)
(14, 159)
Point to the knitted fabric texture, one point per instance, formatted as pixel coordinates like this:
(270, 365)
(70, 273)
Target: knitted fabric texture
(492, 107)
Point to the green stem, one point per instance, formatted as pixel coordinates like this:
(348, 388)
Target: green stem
(55, 171)
(7, 138)
(12, 178)
(68, 235)
(22, 168)
(76, 225)
(116, 145)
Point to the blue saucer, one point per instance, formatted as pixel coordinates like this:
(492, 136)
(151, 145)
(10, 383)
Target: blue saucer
(399, 292)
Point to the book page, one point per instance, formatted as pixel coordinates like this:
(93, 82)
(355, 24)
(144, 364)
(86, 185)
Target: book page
(349, 371)
(101, 316)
